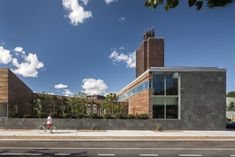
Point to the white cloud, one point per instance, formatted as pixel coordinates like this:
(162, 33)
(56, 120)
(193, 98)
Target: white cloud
(110, 1)
(129, 59)
(5, 56)
(60, 86)
(51, 93)
(63, 89)
(92, 86)
(77, 14)
(29, 67)
(121, 19)
(19, 50)
(67, 92)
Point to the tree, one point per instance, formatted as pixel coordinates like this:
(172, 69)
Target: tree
(196, 3)
(110, 104)
(231, 94)
(77, 106)
(230, 106)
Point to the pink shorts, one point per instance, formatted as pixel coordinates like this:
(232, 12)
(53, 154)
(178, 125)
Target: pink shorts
(49, 125)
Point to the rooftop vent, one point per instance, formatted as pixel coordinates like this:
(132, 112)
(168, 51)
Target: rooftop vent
(149, 33)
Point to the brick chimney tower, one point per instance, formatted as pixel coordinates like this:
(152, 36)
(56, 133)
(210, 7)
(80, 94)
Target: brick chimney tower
(150, 53)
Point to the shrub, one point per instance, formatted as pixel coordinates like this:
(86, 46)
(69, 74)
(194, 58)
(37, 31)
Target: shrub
(93, 116)
(131, 116)
(54, 115)
(108, 116)
(67, 115)
(27, 116)
(79, 116)
(143, 116)
(43, 115)
(121, 116)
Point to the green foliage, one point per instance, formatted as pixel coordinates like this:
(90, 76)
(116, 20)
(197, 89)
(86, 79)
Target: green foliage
(108, 116)
(218, 3)
(43, 104)
(111, 105)
(121, 116)
(197, 3)
(27, 116)
(93, 116)
(67, 115)
(142, 116)
(231, 94)
(231, 106)
(131, 116)
(77, 106)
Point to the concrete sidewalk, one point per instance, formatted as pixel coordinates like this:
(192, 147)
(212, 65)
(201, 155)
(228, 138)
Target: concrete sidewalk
(115, 135)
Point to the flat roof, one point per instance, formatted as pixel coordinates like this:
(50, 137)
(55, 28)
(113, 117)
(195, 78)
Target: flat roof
(185, 68)
(175, 69)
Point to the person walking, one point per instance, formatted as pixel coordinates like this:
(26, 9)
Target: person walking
(49, 122)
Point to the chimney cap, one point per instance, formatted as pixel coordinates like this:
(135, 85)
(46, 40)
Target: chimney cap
(149, 33)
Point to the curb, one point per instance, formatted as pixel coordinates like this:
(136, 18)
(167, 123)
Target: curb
(117, 138)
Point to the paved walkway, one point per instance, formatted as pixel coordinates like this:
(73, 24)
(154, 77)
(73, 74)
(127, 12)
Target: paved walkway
(115, 134)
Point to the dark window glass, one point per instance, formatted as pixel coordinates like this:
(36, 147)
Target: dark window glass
(158, 84)
(158, 111)
(171, 107)
(158, 107)
(172, 84)
(171, 112)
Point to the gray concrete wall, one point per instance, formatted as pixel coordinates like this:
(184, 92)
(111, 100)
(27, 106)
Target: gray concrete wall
(203, 100)
(93, 124)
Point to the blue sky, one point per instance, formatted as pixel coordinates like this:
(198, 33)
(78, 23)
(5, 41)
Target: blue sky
(68, 43)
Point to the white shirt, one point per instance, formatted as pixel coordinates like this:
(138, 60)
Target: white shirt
(49, 120)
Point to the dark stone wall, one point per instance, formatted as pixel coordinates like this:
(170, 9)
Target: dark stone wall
(98, 124)
(203, 100)
(20, 95)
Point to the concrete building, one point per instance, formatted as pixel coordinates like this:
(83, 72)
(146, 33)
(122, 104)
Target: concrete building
(15, 96)
(177, 97)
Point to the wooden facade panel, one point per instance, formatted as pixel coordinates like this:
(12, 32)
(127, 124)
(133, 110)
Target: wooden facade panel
(139, 103)
(4, 85)
(20, 95)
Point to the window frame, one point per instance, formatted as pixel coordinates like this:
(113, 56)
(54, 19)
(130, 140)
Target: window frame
(167, 96)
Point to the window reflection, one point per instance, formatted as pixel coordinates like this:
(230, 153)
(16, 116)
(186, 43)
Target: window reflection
(171, 84)
(158, 84)
(165, 95)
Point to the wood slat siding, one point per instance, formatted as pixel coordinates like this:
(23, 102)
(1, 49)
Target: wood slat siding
(3, 85)
(140, 102)
(19, 94)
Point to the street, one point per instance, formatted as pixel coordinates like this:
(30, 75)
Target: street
(117, 148)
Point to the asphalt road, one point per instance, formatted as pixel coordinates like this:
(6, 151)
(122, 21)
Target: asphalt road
(118, 149)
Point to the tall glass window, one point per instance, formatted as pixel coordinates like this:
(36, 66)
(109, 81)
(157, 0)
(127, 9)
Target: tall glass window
(159, 82)
(165, 95)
